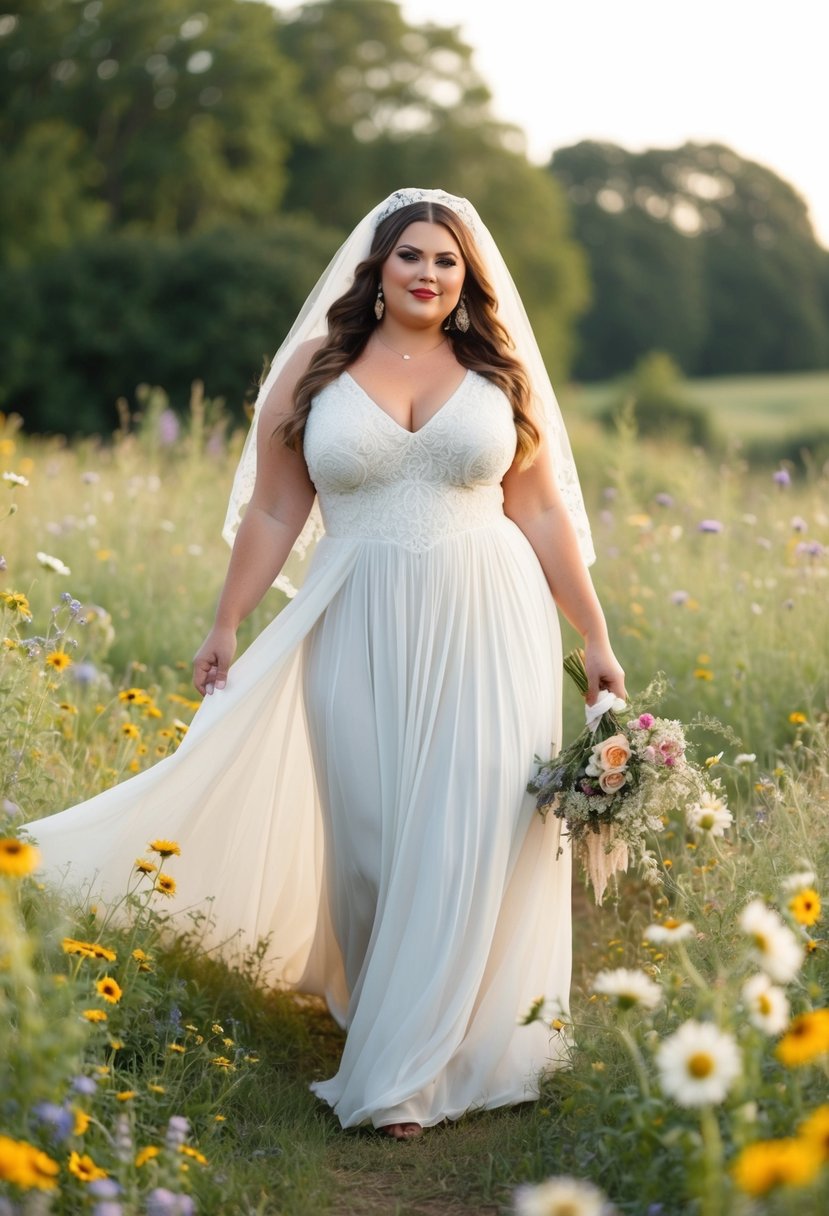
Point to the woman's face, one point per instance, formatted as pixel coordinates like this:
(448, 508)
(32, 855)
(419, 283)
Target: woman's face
(423, 275)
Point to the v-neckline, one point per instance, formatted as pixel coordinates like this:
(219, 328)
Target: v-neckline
(403, 429)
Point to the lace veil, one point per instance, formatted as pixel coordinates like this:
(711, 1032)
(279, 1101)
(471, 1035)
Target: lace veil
(311, 323)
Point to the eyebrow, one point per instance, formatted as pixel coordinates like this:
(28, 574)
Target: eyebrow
(446, 253)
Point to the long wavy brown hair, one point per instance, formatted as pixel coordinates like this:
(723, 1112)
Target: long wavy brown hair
(486, 347)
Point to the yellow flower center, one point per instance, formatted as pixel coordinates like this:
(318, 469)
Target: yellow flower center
(764, 1004)
(700, 1065)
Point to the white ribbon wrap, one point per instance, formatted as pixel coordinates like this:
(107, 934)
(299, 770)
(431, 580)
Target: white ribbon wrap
(605, 701)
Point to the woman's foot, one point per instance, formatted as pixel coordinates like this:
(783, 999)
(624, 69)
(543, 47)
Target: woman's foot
(401, 1131)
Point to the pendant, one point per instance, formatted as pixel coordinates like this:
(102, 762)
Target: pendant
(407, 356)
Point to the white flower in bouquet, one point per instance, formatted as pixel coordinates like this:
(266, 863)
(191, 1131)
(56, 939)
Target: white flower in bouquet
(710, 816)
(775, 947)
(670, 931)
(698, 1064)
(628, 988)
(766, 1005)
(560, 1197)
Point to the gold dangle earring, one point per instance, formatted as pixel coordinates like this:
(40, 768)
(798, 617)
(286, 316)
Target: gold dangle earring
(380, 303)
(462, 315)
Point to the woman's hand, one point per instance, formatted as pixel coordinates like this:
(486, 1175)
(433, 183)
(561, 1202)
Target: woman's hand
(213, 659)
(603, 671)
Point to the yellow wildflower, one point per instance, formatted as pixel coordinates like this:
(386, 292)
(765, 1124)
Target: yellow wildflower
(806, 1039)
(816, 1130)
(17, 602)
(156, 1089)
(109, 989)
(165, 885)
(146, 1154)
(84, 1168)
(702, 673)
(59, 660)
(144, 867)
(188, 1151)
(797, 718)
(222, 1062)
(165, 848)
(176, 1047)
(82, 1121)
(94, 1015)
(772, 1163)
(17, 859)
(805, 906)
(26, 1166)
(134, 696)
(130, 730)
(126, 1095)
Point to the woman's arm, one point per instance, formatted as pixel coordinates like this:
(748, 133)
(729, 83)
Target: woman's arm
(282, 498)
(532, 500)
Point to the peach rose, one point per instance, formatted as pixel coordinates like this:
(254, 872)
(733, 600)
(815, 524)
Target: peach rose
(612, 753)
(612, 780)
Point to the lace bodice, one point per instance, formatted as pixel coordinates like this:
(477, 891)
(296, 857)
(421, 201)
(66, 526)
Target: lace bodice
(376, 480)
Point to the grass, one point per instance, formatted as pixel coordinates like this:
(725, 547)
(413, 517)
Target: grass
(738, 619)
(745, 408)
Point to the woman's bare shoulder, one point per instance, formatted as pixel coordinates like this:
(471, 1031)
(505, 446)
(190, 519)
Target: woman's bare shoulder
(280, 399)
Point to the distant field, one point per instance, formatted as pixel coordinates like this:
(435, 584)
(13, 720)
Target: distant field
(747, 407)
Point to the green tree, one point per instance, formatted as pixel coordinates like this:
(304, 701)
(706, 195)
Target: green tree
(699, 252)
(178, 119)
(88, 324)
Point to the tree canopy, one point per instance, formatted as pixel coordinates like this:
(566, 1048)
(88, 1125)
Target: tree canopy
(697, 251)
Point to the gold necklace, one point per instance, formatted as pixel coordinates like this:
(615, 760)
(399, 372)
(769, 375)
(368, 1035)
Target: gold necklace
(419, 355)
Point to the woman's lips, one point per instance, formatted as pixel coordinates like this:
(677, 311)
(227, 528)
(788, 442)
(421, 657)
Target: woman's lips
(424, 294)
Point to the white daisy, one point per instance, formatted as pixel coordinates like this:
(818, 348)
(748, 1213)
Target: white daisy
(798, 882)
(670, 930)
(16, 479)
(767, 1006)
(52, 563)
(698, 1064)
(776, 949)
(710, 815)
(560, 1197)
(745, 758)
(628, 988)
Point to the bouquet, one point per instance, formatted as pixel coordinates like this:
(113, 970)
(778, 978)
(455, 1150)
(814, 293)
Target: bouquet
(615, 784)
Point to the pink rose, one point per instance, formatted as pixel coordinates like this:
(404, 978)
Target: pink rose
(612, 780)
(649, 754)
(612, 753)
(646, 721)
(670, 747)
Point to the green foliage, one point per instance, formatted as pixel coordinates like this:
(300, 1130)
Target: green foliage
(654, 400)
(696, 251)
(177, 120)
(89, 324)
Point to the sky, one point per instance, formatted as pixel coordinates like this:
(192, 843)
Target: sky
(654, 73)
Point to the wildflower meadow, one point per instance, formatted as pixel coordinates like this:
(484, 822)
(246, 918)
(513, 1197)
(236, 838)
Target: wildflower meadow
(139, 1074)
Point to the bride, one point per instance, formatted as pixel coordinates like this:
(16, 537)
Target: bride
(353, 787)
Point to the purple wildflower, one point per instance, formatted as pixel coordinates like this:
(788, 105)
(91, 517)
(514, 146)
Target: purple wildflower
(810, 548)
(58, 1119)
(84, 1085)
(679, 597)
(103, 1188)
(178, 1129)
(108, 1208)
(782, 477)
(709, 525)
(168, 427)
(3, 563)
(664, 500)
(799, 523)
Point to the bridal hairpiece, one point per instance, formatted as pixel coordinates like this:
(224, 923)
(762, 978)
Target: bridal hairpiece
(312, 323)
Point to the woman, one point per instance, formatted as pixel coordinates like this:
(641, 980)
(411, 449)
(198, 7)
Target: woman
(403, 873)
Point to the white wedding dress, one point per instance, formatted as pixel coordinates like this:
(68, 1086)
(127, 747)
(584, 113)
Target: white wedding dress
(357, 792)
